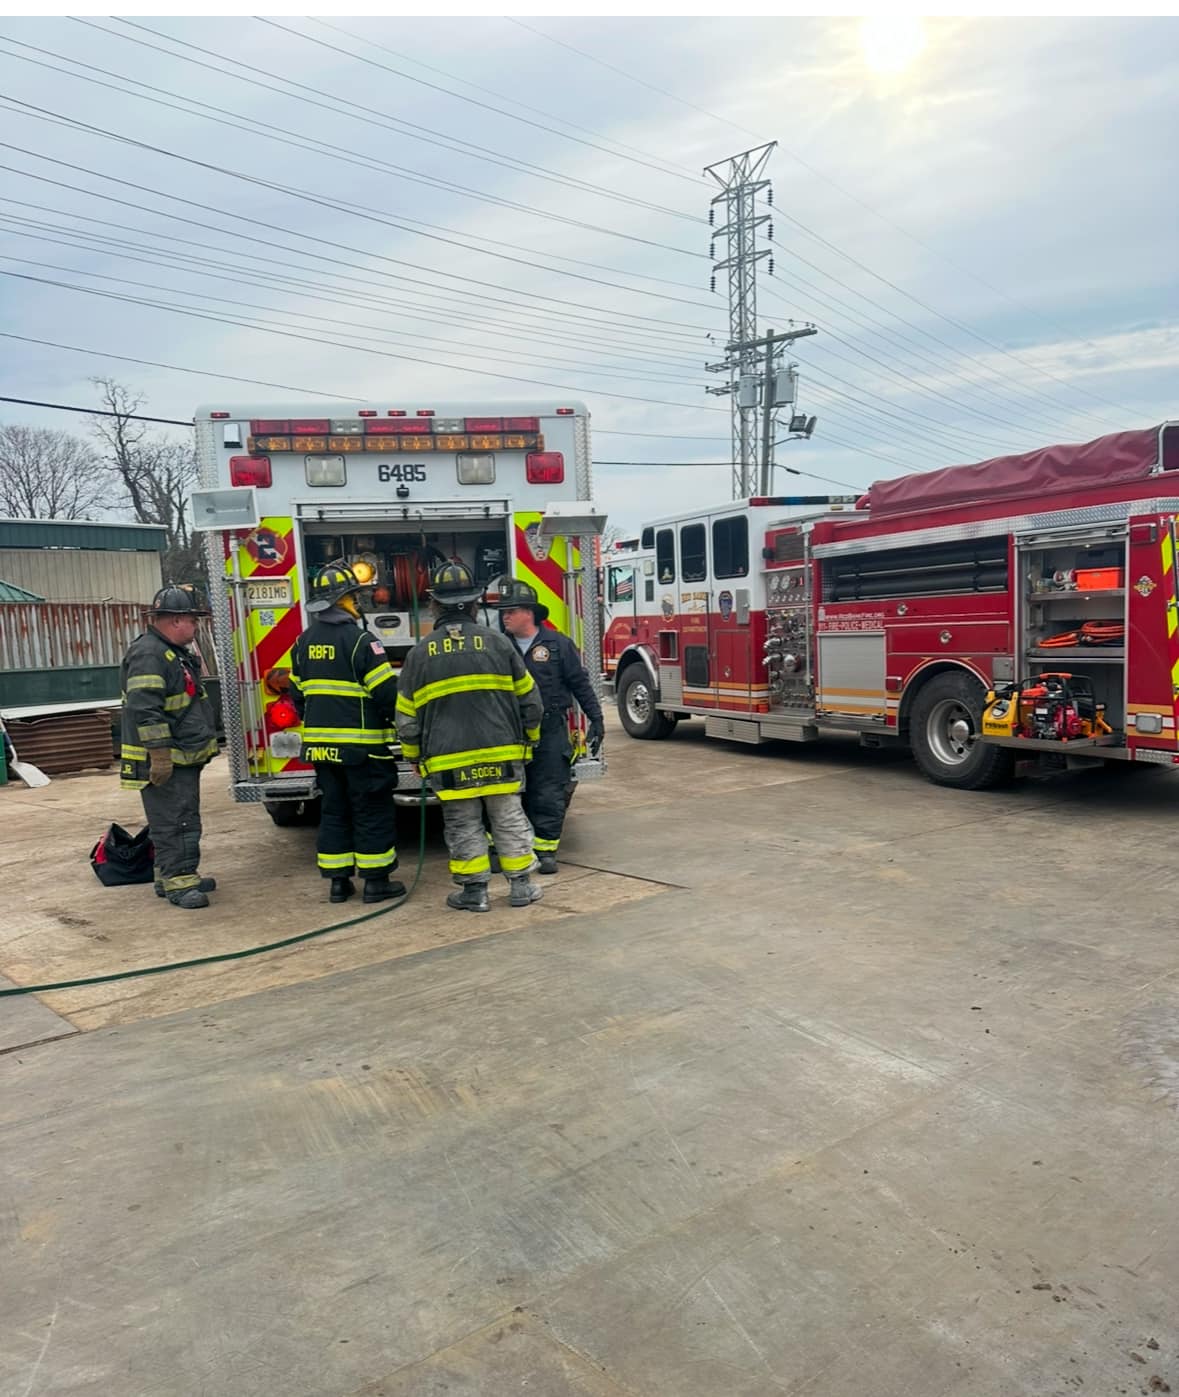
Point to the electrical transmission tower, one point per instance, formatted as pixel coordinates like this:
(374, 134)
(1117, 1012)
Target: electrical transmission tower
(740, 179)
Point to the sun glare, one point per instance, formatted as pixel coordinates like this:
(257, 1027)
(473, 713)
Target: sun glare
(891, 42)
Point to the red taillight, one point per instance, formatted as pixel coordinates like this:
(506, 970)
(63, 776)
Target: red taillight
(564, 412)
(282, 714)
(484, 424)
(398, 412)
(219, 416)
(521, 424)
(382, 429)
(270, 426)
(544, 467)
(310, 426)
(250, 470)
(366, 412)
(411, 426)
(425, 412)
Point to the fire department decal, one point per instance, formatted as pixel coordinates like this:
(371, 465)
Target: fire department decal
(667, 606)
(539, 652)
(850, 620)
(537, 546)
(694, 601)
(1145, 585)
(268, 549)
(725, 604)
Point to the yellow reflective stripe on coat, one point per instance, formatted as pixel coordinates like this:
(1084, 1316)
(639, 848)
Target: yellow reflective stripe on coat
(512, 753)
(410, 750)
(153, 732)
(381, 675)
(524, 685)
(463, 684)
(367, 737)
(406, 705)
(145, 681)
(507, 788)
(176, 703)
(196, 757)
(532, 734)
(135, 754)
(332, 688)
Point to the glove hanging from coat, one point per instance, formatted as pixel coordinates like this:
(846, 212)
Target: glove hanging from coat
(161, 765)
(595, 735)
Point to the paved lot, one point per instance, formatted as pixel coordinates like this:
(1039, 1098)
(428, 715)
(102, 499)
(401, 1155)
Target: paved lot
(806, 1077)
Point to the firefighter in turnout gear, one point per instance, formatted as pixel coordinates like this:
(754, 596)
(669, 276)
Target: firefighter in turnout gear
(555, 665)
(345, 692)
(468, 713)
(168, 736)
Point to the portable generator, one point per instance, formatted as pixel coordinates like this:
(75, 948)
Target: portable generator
(1060, 707)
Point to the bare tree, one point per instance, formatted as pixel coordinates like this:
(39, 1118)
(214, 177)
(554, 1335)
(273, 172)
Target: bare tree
(155, 473)
(46, 474)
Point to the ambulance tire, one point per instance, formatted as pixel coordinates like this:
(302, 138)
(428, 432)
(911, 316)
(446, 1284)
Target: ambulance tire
(289, 814)
(943, 729)
(636, 707)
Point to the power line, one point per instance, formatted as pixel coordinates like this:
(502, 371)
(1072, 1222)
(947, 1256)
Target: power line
(798, 159)
(410, 128)
(650, 340)
(357, 211)
(98, 412)
(355, 348)
(299, 141)
(345, 247)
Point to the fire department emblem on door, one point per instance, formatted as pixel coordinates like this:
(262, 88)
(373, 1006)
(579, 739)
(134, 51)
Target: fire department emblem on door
(1144, 586)
(268, 549)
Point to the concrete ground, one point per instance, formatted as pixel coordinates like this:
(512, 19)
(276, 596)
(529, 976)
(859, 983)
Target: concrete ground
(806, 1077)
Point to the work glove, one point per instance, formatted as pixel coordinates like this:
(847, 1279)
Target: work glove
(161, 765)
(595, 735)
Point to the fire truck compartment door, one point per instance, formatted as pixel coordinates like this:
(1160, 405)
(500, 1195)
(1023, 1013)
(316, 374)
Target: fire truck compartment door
(851, 674)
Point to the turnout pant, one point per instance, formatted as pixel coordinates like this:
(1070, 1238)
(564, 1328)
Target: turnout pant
(462, 824)
(547, 789)
(358, 823)
(173, 812)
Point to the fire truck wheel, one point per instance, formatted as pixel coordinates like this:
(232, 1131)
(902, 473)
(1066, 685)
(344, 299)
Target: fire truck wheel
(943, 730)
(636, 707)
(288, 813)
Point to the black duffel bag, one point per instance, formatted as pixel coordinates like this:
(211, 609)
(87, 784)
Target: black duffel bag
(120, 858)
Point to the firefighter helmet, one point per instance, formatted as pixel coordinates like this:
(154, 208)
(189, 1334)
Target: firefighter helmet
(333, 582)
(454, 584)
(515, 593)
(177, 601)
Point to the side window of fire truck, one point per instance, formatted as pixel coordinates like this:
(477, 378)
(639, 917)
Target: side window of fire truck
(693, 558)
(648, 579)
(730, 547)
(622, 585)
(665, 555)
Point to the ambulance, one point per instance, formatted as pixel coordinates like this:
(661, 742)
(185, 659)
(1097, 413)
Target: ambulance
(393, 488)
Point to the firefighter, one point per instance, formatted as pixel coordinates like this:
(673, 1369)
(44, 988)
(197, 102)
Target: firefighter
(554, 663)
(468, 713)
(345, 692)
(168, 736)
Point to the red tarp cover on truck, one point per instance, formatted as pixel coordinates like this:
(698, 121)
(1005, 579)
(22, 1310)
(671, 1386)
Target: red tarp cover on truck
(1120, 456)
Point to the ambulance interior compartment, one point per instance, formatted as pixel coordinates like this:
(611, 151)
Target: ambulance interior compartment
(395, 603)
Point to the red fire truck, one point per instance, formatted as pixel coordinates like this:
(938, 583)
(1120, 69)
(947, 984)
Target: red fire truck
(1022, 608)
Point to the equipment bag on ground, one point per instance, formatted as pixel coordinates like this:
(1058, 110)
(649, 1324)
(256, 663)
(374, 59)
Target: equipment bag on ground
(121, 858)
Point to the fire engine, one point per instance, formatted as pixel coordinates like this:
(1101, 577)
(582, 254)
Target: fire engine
(393, 489)
(1024, 608)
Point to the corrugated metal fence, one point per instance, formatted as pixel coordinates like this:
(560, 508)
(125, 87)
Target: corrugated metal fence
(66, 635)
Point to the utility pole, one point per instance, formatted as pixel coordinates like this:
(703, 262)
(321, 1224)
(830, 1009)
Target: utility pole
(740, 179)
(769, 401)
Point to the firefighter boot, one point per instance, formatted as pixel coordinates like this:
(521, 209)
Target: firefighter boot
(522, 892)
(546, 863)
(189, 899)
(472, 897)
(341, 890)
(206, 885)
(382, 888)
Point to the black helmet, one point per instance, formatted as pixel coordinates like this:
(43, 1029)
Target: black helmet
(177, 601)
(514, 592)
(334, 581)
(454, 584)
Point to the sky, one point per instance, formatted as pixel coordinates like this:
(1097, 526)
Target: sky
(977, 215)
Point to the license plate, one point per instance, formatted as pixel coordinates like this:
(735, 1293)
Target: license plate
(269, 591)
